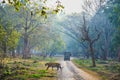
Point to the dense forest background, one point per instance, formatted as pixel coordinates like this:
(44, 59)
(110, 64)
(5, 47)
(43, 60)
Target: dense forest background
(31, 29)
(27, 28)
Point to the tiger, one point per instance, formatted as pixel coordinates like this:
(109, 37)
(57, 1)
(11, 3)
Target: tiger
(51, 64)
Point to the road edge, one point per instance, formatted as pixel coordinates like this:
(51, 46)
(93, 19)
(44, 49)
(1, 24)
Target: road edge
(92, 73)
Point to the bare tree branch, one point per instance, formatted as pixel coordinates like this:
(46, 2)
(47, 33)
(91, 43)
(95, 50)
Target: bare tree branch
(98, 36)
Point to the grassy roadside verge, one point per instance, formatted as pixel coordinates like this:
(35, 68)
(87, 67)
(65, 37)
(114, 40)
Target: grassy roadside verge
(106, 69)
(27, 69)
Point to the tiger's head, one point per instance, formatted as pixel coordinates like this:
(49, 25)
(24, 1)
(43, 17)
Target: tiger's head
(46, 64)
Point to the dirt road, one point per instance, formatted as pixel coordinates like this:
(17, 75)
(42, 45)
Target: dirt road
(68, 72)
(71, 72)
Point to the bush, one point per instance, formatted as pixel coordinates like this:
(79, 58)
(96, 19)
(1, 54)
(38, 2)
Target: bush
(114, 67)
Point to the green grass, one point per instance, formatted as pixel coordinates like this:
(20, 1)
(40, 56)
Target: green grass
(20, 69)
(36, 75)
(104, 68)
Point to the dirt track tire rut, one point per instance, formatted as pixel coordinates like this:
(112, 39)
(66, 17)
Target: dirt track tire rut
(68, 72)
(76, 74)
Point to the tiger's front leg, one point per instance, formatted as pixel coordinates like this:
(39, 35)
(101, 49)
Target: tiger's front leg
(57, 68)
(47, 68)
(61, 68)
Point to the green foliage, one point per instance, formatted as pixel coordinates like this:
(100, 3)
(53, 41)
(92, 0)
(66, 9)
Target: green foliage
(48, 40)
(29, 12)
(113, 8)
(116, 41)
(58, 45)
(9, 37)
(27, 5)
(2, 33)
(16, 3)
(13, 39)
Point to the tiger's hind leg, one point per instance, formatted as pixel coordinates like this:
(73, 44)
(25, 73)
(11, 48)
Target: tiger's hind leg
(52, 67)
(61, 68)
(57, 68)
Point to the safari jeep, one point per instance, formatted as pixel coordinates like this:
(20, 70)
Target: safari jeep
(67, 56)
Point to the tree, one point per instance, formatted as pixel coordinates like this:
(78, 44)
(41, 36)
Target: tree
(9, 40)
(71, 27)
(113, 7)
(13, 41)
(8, 22)
(86, 37)
(91, 9)
(46, 40)
(58, 46)
(29, 11)
(105, 41)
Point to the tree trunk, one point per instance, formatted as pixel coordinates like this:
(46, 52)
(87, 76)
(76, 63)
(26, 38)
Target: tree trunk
(104, 53)
(13, 54)
(5, 50)
(106, 50)
(119, 56)
(92, 55)
(18, 50)
(87, 56)
(25, 48)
